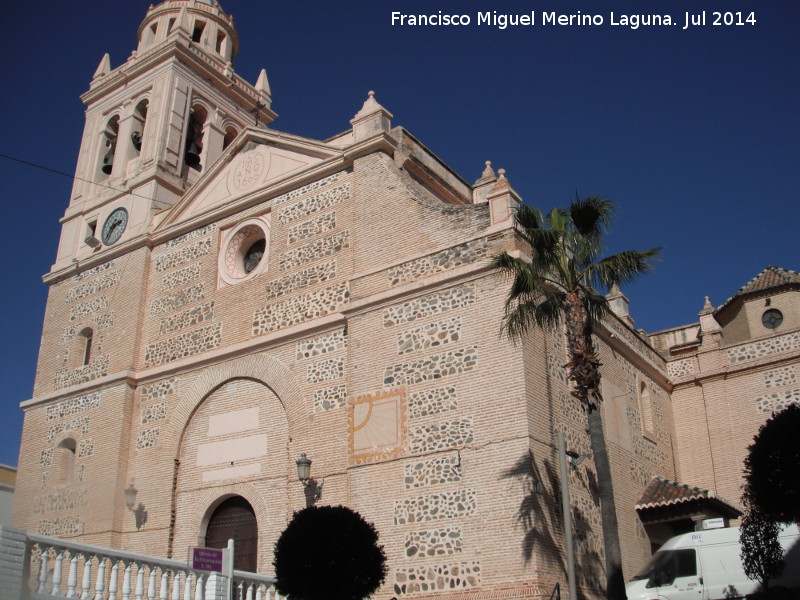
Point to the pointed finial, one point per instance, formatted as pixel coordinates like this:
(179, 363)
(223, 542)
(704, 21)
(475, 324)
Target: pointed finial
(262, 85)
(371, 106)
(708, 308)
(615, 289)
(488, 171)
(104, 68)
(501, 173)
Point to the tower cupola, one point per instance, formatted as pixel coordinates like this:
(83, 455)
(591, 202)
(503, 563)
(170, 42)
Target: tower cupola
(206, 24)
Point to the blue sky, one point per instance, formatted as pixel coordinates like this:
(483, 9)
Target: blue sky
(692, 133)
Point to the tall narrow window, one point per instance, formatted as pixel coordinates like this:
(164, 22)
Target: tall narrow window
(109, 147)
(197, 34)
(220, 41)
(230, 135)
(65, 460)
(87, 335)
(194, 137)
(170, 25)
(139, 120)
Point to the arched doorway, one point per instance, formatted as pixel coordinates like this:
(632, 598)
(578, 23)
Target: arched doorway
(235, 519)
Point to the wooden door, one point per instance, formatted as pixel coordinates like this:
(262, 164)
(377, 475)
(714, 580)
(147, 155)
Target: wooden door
(235, 519)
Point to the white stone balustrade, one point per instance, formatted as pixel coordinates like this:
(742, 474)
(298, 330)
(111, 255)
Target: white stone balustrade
(58, 568)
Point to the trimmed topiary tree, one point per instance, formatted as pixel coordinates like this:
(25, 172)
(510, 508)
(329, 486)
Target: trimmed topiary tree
(770, 468)
(329, 553)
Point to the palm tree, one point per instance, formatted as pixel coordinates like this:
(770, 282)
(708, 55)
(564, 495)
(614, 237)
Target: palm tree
(558, 283)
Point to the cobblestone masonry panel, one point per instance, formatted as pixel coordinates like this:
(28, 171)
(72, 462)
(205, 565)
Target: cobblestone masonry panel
(445, 260)
(72, 406)
(183, 345)
(69, 377)
(93, 286)
(429, 336)
(325, 370)
(85, 447)
(432, 507)
(429, 305)
(432, 368)
(306, 189)
(432, 471)
(179, 299)
(312, 227)
(321, 344)
(88, 308)
(147, 438)
(192, 235)
(437, 578)
(60, 526)
(181, 277)
(330, 397)
(60, 501)
(93, 271)
(755, 350)
(679, 368)
(312, 204)
(46, 458)
(299, 309)
(158, 390)
(442, 436)
(432, 402)
(780, 377)
(80, 424)
(301, 279)
(154, 412)
(433, 543)
(187, 318)
(314, 250)
(778, 401)
(184, 255)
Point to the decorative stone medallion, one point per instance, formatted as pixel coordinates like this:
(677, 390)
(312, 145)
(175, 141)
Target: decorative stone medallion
(250, 171)
(244, 252)
(377, 426)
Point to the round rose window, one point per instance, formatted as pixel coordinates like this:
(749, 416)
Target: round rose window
(244, 251)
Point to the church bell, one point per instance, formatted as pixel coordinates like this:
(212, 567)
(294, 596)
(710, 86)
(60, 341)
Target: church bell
(108, 162)
(192, 156)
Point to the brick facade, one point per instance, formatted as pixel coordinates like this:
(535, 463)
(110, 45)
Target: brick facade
(367, 337)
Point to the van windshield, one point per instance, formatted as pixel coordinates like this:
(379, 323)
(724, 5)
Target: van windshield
(665, 566)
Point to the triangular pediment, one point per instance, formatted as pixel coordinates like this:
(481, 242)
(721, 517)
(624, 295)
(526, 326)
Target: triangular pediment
(257, 161)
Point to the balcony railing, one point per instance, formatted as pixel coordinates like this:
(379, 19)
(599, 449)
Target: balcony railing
(60, 568)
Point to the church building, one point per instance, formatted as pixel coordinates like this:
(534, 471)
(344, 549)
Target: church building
(229, 299)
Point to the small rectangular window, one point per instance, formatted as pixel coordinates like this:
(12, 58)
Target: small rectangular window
(220, 40)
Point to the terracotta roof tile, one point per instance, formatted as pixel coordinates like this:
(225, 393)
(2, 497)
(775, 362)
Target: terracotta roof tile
(664, 492)
(771, 277)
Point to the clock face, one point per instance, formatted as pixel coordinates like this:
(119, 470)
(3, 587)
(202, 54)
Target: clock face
(114, 226)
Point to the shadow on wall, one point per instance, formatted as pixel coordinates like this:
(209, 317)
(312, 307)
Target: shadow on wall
(539, 516)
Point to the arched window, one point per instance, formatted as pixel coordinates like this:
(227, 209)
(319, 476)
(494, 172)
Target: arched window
(230, 135)
(139, 120)
(65, 460)
(235, 519)
(108, 147)
(194, 137)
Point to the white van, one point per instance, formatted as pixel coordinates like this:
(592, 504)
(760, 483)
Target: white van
(706, 565)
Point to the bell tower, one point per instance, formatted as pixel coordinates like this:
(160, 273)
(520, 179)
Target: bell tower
(153, 125)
